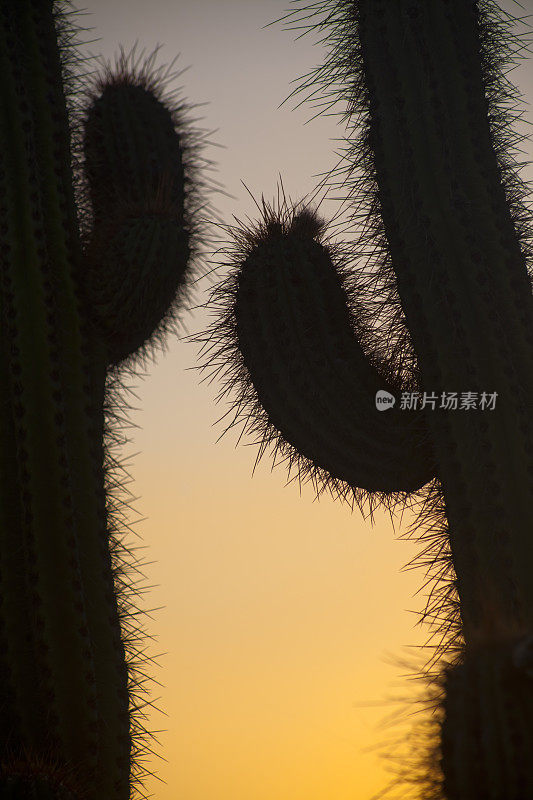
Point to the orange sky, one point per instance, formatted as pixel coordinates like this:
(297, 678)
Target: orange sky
(281, 614)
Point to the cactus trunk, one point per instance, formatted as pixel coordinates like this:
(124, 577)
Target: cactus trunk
(464, 287)
(63, 653)
(69, 686)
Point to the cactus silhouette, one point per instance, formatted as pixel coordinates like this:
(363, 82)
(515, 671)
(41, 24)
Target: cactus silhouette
(86, 291)
(433, 298)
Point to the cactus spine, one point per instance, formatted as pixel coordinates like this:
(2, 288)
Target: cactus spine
(446, 218)
(76, 303)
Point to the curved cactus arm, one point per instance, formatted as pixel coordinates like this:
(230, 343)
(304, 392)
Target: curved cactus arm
(285, 319)
(139, 161)
(66, 689)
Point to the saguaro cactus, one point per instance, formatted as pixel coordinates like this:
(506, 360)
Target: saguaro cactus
(429, 161)
(82, 292)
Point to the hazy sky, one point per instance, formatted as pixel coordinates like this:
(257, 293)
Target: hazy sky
(280, 613)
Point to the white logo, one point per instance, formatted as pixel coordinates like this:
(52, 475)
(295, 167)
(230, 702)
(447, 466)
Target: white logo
(384, 400)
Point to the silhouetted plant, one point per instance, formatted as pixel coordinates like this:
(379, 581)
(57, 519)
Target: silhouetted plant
(435, 297)
(94, 267)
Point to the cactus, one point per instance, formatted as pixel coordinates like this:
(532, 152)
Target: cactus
(86, 290)
(306, 336)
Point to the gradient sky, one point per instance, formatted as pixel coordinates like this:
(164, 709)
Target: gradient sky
(282, 616)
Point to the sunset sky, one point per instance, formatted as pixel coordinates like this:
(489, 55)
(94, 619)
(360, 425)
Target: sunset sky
(283, 618)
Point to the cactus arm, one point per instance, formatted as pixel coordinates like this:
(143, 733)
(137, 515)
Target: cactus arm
(135, 157)
(297, 337)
